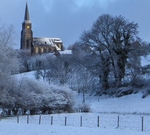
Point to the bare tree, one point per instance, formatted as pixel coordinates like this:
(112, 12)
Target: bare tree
(9, 62)
(114, 35)
(7, 35)
(124, 35)
(59, 68)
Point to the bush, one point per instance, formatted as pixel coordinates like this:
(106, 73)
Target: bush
(31, 96)
(83, 108)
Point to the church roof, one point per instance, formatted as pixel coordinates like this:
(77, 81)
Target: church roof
(47, 42)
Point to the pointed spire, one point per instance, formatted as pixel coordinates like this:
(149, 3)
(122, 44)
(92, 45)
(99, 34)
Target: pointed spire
(26, 17)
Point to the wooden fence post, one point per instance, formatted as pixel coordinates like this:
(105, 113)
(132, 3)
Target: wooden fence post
(27, 119)
(17, 118)
(65, 121)
(118, 122)
(142, 124)
(98, 121)
(51, 120)
(40, 119)
(81, 121)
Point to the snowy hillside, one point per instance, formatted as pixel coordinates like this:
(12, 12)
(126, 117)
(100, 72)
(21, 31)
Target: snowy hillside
(129, 111)
(126, 104)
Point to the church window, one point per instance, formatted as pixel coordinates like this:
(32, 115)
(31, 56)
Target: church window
(42, 49)
(36, 50)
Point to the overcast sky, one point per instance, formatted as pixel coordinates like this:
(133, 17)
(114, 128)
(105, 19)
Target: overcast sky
(68, 18)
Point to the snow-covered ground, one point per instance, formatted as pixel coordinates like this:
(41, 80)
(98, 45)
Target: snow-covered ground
(22, 129)
(127, 104)
(130, 110)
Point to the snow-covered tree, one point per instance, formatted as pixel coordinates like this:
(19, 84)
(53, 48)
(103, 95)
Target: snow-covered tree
(115, 36)
(24, 95)
(9, 65)
(8, 56)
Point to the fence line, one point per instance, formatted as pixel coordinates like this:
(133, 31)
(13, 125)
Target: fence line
(122, 122)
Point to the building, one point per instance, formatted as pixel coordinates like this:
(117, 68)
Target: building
(37, 45)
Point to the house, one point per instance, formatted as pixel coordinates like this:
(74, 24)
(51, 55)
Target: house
(34, 44)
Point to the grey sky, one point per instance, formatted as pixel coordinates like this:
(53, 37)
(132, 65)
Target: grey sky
(68, 18)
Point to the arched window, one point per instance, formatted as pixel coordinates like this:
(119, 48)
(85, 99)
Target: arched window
(36, 49)
(42, 50)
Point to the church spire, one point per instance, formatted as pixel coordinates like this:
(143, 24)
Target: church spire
(26, 17)
(26, 33)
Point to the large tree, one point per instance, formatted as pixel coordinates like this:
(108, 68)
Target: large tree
(113, 38)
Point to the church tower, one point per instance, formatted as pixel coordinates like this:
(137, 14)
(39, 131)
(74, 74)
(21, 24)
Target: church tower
(26, 33)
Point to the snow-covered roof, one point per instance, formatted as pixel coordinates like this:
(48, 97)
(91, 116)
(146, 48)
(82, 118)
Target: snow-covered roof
(53, 42)
(66, 52)
(46, 41)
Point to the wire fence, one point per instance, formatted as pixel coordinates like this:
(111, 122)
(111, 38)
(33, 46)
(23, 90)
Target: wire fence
(130, 122)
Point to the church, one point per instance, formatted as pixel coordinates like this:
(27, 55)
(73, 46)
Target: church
(34, 44)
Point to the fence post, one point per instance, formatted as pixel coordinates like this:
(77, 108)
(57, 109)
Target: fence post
(98, 121)
(51, 120)
(81, 121)
(17, 118)
(118, 122)
(40, 119)
(27, 119)
(65, 121)
(142, 124)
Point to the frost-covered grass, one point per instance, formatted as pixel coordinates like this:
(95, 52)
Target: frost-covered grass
(130, 110)
(90, 120)
(22, 129)
(133, 104)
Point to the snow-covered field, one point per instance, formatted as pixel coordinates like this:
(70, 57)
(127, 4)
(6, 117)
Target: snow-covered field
(22, 129)
(130, 110)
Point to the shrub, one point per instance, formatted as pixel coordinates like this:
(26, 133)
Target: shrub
(83, 108)
(34, 97)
